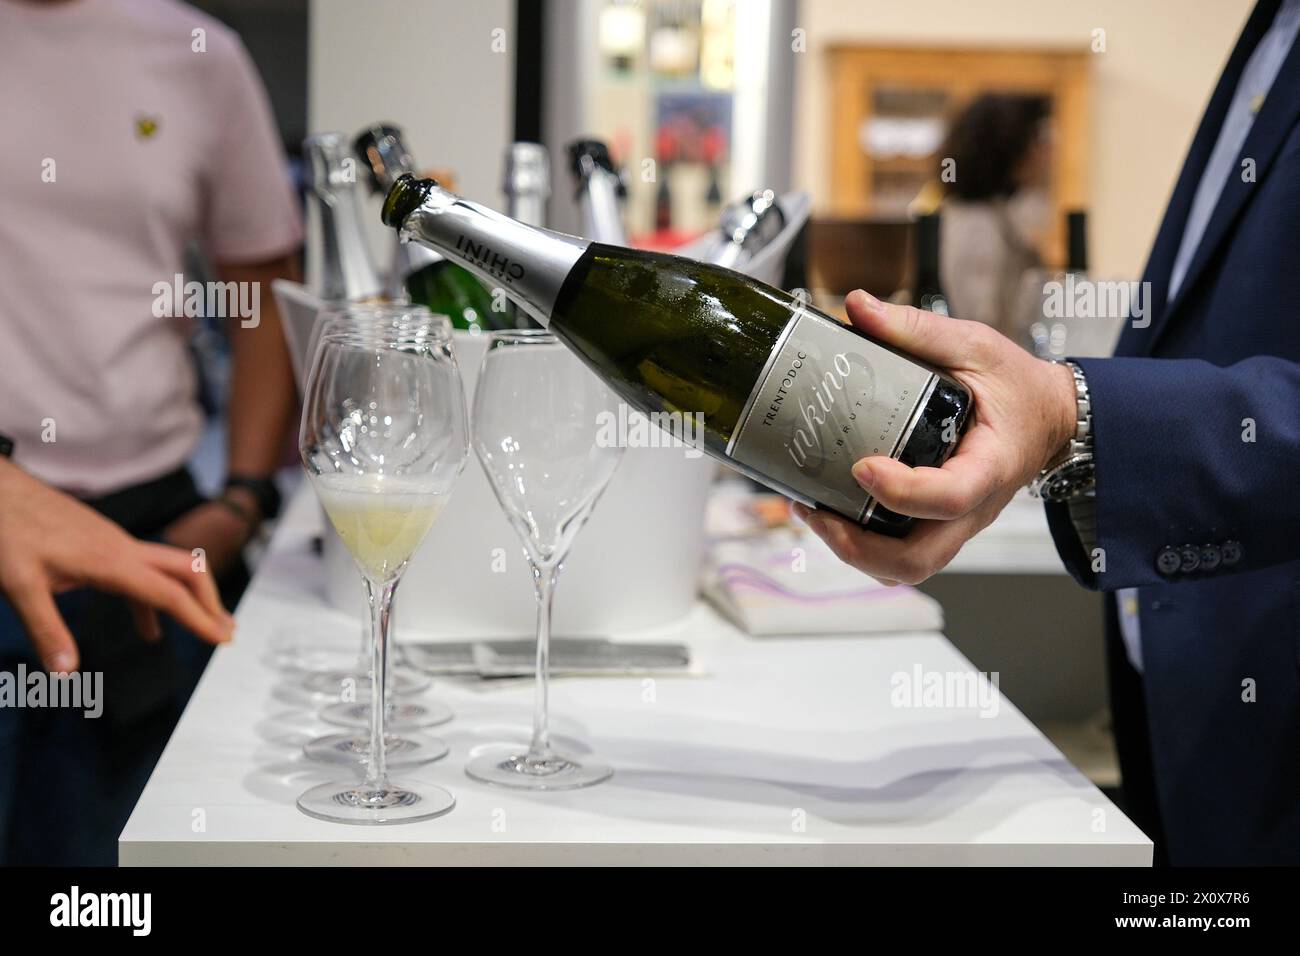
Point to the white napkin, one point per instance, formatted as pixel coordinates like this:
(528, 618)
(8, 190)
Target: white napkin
(785, 582)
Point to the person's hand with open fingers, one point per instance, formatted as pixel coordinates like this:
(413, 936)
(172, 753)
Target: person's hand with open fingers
(50, 543)
(1024, 416)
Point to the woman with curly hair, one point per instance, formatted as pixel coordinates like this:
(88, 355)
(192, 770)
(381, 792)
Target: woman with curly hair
(994, 167)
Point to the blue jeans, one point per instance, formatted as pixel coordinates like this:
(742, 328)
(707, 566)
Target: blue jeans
(68, 782)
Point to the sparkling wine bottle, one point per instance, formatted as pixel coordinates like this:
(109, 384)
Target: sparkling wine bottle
(527, 188)
(927, 292)
(598, 187)
(527, 182)
(745, 229)
(1076, 229)
(420, 273)
(338, 265)
(771, 386)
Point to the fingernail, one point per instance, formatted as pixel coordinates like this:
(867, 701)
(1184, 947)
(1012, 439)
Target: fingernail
(863, 476)
(60, 663)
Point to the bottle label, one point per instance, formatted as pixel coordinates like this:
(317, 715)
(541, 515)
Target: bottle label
(827, 398)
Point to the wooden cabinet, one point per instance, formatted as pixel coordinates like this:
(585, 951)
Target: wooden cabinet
(891, 106)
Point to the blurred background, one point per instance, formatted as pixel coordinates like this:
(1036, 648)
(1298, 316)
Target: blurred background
(856, 116)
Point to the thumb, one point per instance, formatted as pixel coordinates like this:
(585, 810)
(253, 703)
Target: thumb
(937, 339)
(49, 635)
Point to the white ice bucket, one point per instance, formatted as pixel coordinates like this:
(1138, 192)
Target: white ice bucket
(636, 563)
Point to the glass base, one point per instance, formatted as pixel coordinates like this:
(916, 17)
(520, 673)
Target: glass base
(399, 801)
(404, 750)
(401, 716)
(506, 766)
(332, 684)
(300, 648)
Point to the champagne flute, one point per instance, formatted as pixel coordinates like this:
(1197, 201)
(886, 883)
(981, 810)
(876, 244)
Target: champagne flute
(383, 441)
(355, 713)
(330, 682)
(537, 434)
(404, 746)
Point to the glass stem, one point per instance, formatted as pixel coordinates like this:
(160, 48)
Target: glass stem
(390, 660)
(544, 579)
(367, 647)
(380, 596)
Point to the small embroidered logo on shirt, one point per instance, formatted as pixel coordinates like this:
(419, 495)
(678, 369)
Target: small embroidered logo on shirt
(146, 127)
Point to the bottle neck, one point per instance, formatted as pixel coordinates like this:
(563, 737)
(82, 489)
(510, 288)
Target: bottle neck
(927, 253)
(529, 265)
(1077, 230)
(527, 207)
(598, 200)
(384, 151)
(338, 265)
(527, 182)
(746, 229)
(387, 158)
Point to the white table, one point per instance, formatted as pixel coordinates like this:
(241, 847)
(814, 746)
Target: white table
(786, 751)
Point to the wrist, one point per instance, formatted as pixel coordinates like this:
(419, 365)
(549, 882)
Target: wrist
(259, 493)
(1069, 473)
(1063, 414)
(241, 504)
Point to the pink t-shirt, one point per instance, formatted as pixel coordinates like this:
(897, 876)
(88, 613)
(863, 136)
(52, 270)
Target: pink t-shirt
(121, 143)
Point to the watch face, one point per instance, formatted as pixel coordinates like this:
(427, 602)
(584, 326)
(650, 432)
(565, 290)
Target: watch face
(1073, 478)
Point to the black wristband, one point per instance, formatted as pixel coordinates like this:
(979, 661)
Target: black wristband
(6, 446)
(263, 490)
(239, 511)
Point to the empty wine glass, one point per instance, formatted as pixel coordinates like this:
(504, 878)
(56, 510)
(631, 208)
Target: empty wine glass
(383, 440)
(537, 431)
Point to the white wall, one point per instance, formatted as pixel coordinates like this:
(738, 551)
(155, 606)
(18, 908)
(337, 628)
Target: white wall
(430, 67)
(1162, 60)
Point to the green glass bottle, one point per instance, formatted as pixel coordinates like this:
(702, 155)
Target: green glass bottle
(447, 289)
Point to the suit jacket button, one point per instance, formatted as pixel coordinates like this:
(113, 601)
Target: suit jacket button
(1231, 553)
(1168, 561)
(1189, 558)
(1211, 557)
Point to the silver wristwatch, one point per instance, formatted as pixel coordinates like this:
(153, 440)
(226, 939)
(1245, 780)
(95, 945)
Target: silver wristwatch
(1073, 476)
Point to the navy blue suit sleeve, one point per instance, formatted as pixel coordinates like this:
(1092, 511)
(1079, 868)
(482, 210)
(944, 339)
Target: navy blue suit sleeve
(1176, 466)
